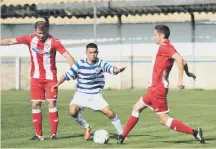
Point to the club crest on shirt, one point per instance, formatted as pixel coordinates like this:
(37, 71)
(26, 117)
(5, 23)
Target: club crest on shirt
(97, 70)
(45, 50)
(47, 46)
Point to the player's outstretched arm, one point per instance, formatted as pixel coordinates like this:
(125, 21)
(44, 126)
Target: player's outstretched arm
(20, 40)
(111, 69)
(189, 74)
(180, 62)
(8, 41)
(118, 70)
(60, 81)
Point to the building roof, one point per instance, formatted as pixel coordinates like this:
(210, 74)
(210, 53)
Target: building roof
(36, 2)
(149, 18)
(84, 8)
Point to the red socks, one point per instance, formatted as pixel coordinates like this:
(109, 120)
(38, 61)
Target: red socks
(131, 123)
(37, 121)
(178, 126)
(53, 119)
(171, 123)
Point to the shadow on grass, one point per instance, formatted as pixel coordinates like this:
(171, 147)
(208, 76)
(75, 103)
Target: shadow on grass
(179, 141)
(112, 135)
(210, 139)
(189, 141)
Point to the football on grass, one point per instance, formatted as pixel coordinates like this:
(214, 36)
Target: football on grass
(101, 137)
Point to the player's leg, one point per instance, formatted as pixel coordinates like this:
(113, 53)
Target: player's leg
(114, 119)
(76, 113)
(53, 118)
(133, 119)
(37, 120)
(161, 108)
(77, 105)
(53, 112)
(37, 96)
(140, 105)
(98, 103)
(174, 124)
(177, 125)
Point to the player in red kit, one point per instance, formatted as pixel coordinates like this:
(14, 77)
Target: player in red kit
(156, 96)
(42, 48)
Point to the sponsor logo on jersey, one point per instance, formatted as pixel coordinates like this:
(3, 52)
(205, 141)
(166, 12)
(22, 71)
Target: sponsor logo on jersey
(40, 51)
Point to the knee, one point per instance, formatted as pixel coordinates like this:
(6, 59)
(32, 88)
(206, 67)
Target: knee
(135, 114)
(73, 113)
(163, 119)
(51, 104)
(36, 104)
(135, 108)
(110, 114)
(139, 106)
(74, 110)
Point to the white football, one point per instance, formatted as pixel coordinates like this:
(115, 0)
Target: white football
(101, 137)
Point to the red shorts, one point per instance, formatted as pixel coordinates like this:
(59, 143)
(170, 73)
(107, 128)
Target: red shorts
(155, 98)
(41, 89)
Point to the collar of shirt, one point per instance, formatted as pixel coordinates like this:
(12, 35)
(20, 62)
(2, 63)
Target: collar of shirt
(166, 41)
(86, 60)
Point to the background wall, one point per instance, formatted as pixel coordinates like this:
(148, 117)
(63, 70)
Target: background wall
(132, 45)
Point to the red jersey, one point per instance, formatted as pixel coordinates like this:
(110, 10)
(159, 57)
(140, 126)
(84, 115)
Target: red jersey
(43, 55)
(163, 65)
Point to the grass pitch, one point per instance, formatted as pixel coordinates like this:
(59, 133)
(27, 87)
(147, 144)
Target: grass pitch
(196, 108)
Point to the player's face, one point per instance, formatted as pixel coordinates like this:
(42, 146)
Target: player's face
(42, 33)
(158, 37)
(92, 54)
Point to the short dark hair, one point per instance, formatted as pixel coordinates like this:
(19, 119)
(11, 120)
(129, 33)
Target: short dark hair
(91, 45)
(163, 29)
(41, 24)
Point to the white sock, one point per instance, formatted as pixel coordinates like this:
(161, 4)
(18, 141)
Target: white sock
(79, 119)
(117, 124)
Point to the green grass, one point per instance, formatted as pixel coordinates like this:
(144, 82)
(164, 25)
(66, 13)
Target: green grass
(196, 108)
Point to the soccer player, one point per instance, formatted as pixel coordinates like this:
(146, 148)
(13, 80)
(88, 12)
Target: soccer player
(89, 73)
(42, 48)
(156, 96)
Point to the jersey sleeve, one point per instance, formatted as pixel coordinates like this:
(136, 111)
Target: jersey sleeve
(107, 67)
(23, 39)
(72, 73)
(167, 50)
(59, 47)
